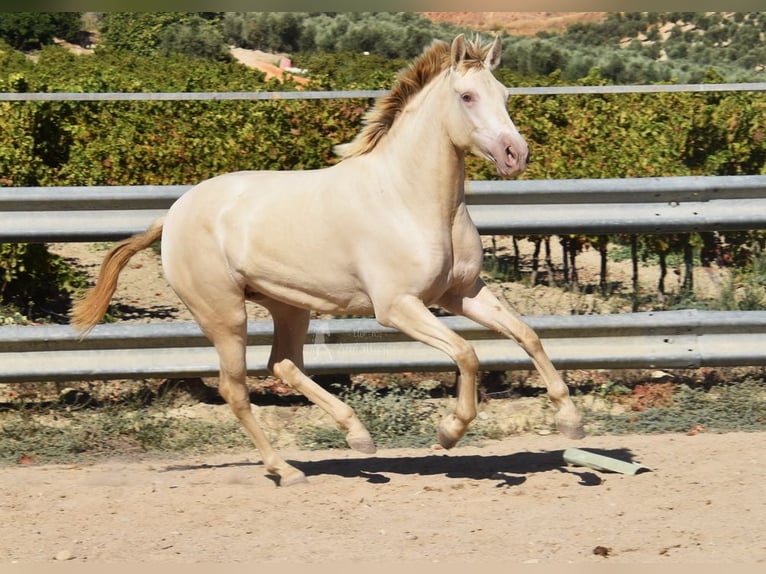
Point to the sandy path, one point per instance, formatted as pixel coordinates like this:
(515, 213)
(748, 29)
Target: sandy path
(512, 502)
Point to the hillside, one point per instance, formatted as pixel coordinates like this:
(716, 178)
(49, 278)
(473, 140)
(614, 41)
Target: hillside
(517, 23)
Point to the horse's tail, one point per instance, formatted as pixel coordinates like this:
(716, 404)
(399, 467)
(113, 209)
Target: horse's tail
(89, 309)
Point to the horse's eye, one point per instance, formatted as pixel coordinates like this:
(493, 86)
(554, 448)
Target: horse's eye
(467, 97)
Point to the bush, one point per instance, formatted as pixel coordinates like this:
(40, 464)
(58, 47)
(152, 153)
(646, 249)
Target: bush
(735, 407)
(151, 33)
(196, 38)
(36, 283)
(31, 30)
(389, 34)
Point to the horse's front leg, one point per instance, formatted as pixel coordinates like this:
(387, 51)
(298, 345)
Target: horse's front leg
(412, 317)
(480, 304)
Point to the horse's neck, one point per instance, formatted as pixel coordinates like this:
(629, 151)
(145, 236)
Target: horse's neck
(419, 155)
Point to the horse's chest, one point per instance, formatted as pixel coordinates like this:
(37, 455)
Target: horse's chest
(467, 252)
(453, 264)
(466, 266)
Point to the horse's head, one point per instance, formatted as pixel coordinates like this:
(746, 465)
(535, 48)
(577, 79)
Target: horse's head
(478, 116)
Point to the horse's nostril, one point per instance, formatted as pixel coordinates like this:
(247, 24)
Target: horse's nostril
(522, 157)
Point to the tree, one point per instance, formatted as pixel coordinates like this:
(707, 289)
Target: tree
(32, 30)
(197, 38)
(138, 32)
(268, 31)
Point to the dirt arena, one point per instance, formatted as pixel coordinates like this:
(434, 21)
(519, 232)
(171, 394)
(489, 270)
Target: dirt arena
(510, 502)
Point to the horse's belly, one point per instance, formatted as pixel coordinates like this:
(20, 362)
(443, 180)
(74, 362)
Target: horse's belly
(334, 299)
(306, 270)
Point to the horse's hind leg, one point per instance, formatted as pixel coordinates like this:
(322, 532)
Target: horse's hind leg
(222, 316)
(286, 362)
(231, 349)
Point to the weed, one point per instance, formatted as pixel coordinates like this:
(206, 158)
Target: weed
(740, 406)
(62, 435)
(10, 315)
(395, 417)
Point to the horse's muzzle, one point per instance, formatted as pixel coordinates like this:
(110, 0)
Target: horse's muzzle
(514, 158)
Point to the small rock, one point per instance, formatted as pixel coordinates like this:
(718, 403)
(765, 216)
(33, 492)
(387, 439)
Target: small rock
(602, 551)
(64, 555)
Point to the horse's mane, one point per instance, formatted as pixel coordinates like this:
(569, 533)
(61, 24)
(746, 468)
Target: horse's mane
(378, 121)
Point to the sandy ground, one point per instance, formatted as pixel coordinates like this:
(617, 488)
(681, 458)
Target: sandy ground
(510, 502)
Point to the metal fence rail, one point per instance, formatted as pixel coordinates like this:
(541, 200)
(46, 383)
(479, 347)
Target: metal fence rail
(683, 339)
(677, 339)
(344, 94)
(637, 205)
(669, 339)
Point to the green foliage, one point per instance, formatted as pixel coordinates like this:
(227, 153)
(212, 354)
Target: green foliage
(388, 34)
(112, 143)
(139, 33)
(267, 31)
(80, 433)
(641, 47)
(195, 38)
(737, 407)
(350, 70)
(697, 42)
(628, 47)
(31, 30)
(35, 282)
(725, 134)
(395, 417)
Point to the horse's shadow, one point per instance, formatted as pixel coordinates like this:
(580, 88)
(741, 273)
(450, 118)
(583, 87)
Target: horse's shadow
(125, 311)
(506, 470)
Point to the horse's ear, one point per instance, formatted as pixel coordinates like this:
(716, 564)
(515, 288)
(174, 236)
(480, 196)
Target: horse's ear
(492, 59)
(458, 51)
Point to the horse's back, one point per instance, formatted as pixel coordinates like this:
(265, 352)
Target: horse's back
(251, 195)
(277, 233)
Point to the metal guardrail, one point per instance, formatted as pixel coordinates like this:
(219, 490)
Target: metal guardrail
(667, 339)
(637, 205)
(676, 339)
(684, 339)
(347, 94)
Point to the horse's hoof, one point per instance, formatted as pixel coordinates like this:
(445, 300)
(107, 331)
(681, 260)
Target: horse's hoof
(291, 477)
(450, 431)
(362, 443)
(569, 429)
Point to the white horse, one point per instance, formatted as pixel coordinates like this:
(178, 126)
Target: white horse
(384, 231)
